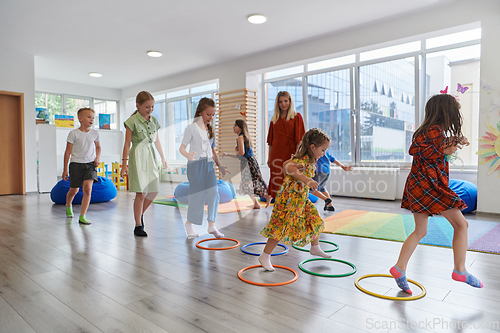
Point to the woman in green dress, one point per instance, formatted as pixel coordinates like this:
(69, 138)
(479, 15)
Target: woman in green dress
(142, 169)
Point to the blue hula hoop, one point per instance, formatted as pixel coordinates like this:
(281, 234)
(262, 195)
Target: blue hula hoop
(258, 254)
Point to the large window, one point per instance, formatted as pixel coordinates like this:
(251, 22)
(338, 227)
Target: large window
(329, 108)
(48, 105)
(51, 105)
(456, 68)
(175, 111)
(293, 86)
(107, 107)
(371, 102)
(386, 110)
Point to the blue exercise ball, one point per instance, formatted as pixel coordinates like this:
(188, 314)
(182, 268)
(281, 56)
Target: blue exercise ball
(467, 191)
(312, 197)
(226, 192)
(102, 190)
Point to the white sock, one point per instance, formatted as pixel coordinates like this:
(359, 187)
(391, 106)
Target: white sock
(213, 230)
(317, 251)
(265, 261)
(190, 230)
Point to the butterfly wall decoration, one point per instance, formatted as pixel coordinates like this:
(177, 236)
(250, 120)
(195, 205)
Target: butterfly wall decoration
(461, 89)
(445, 91)
(243, 113)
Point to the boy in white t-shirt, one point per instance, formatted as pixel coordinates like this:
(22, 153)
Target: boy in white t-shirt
(85, 151)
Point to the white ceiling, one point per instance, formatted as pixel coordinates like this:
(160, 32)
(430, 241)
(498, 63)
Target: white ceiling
(71, 38)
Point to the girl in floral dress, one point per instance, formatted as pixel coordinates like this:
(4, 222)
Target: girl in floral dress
(427, 190)
(294, 219)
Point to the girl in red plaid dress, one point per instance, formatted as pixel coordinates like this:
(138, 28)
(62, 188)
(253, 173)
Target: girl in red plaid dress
(427, 192)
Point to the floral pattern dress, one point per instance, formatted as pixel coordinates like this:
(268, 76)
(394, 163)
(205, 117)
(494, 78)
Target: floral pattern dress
(294, 219)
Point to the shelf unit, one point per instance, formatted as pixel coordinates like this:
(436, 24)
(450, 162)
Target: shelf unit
(232, 105)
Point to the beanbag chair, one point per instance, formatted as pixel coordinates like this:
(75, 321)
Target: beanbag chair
(226, 192)
(313, 198)
(103, 190)
(467, 191)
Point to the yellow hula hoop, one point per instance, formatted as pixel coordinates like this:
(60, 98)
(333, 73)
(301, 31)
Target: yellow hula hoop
(410, 298)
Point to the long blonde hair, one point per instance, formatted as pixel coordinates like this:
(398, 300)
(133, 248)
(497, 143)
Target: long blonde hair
(315, 136)
(143, 97)
(204, 103)
(291, 109)
(443, 110)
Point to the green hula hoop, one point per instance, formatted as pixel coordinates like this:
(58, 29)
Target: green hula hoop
(354, 269)
(321, 241)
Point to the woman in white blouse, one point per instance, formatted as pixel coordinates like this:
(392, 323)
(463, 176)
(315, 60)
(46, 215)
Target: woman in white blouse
(200, 168)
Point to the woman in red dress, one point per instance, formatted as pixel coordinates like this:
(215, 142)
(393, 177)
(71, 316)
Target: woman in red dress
(285, 134)
(427, 190)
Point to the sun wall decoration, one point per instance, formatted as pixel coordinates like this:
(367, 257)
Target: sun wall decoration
(491, 152)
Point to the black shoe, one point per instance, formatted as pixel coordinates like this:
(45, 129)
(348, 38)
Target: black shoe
(139, 231)
(330, 208)
(327, 207)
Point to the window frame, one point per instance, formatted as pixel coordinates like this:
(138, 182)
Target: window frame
(64, 107)
(189, 109)
(419, 58)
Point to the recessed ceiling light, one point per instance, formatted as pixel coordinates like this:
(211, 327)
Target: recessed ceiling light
(154, 54)
(257, 19)
(94, 74)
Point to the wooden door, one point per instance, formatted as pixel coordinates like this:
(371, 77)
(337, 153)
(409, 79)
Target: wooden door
(12, 143)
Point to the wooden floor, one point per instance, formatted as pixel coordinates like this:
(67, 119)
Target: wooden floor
(58, 276)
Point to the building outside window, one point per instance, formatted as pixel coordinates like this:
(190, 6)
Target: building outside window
(371, 102)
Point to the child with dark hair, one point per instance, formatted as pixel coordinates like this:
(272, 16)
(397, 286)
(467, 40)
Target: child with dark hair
(252, 183)
(427, 190)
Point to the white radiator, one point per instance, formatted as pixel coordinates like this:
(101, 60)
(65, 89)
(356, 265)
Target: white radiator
(376, 183)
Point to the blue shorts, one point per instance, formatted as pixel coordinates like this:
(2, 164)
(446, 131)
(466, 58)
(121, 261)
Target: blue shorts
(321, 178)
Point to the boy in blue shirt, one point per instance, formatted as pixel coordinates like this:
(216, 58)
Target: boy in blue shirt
(323, 173)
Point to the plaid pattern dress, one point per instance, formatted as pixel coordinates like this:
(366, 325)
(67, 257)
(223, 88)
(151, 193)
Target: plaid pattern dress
(427, 188)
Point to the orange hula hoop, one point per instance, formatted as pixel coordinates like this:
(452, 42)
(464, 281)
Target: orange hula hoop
(240, 275)
(217, 248)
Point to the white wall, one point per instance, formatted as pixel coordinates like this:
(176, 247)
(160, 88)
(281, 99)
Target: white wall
(232, 75)
(17, 74)
(70, 88)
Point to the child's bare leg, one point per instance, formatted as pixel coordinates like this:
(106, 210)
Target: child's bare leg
(147, 202)
(399, 270)
(460, 226)
(87, 192)
(268, 199)
(326, 194)
(316, 249)
(138, 208)
(256, 204)
(412, 241)
(265, 257)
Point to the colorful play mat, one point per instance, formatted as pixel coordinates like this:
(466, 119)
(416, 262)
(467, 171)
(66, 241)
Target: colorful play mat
(483, 236)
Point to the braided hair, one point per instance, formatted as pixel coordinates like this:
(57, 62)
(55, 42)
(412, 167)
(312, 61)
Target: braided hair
(315, 136)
